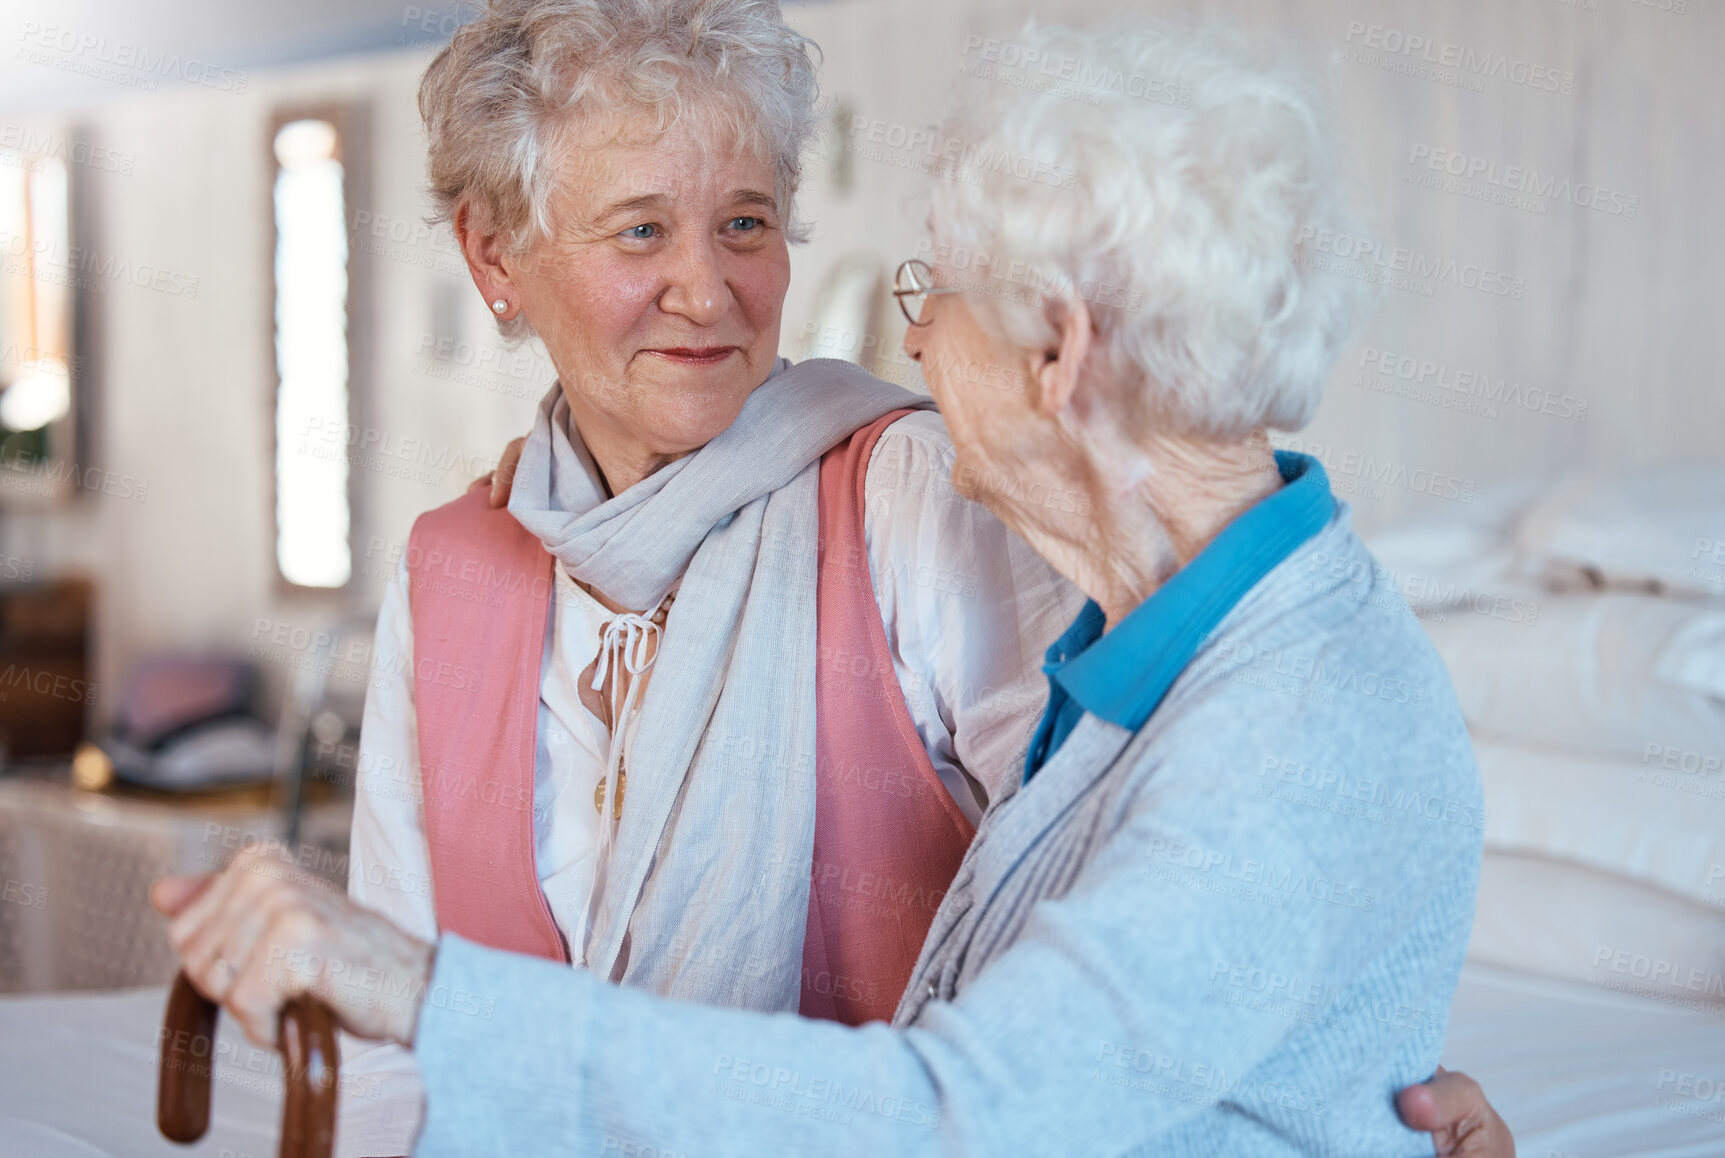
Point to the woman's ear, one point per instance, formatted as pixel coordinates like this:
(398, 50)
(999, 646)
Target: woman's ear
(484, 250)
(1057, 376)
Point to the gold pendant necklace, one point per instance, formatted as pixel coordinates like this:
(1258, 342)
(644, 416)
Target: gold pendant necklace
(617, 804)
(659, 616)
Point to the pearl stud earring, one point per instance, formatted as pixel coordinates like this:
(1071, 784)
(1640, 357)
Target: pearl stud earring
(499, 306)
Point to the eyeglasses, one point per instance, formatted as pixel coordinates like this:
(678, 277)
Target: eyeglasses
(913, 285)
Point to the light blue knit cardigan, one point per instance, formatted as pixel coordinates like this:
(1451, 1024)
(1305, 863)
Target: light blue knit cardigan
(1236, 932)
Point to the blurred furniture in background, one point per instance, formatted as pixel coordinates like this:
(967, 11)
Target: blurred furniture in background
(75, 871)
(76, 867)
(46, 695)
(187, 723)
(185, 775)
(317, 737)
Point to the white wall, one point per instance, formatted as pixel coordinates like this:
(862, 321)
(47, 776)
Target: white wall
(1621, 312)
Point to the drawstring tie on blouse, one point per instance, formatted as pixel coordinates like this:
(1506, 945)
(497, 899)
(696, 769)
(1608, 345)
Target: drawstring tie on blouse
(629, 643)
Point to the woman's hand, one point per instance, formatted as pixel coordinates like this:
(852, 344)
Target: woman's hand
(503, 478)
(1452, 1108)
(263, 930)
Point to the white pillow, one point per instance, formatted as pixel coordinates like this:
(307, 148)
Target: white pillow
(1662, 527)
(1617, 673)
(1663, 826)
(1461, 555)
(1561, 920)
(1695, 657)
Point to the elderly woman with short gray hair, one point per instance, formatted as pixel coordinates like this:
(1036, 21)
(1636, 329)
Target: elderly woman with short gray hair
(1146, 946)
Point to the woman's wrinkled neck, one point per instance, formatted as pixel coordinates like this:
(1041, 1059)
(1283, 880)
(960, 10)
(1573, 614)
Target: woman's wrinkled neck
(1133, 511)
(621, 458)
(625, 454)
(622, 461)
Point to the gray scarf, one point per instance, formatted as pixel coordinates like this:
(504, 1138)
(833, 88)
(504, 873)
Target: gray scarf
(722, 767)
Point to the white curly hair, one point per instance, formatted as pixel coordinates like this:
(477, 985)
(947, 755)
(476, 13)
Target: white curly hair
(1192, 175)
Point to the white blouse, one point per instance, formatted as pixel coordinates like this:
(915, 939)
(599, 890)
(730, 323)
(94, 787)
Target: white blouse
(969, 610)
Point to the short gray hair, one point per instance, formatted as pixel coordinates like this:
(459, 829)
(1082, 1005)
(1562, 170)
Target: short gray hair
(1174, 181)
(501, 97)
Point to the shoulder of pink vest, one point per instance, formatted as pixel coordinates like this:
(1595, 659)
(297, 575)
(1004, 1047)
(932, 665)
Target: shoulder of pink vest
(472, 506)
(470, 516)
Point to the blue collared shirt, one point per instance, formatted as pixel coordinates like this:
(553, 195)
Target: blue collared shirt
(1122, 676)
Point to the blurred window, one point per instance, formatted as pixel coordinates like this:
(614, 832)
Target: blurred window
(36, 279)
(313, 516)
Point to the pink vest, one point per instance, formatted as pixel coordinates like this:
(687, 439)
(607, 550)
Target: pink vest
(888, 837)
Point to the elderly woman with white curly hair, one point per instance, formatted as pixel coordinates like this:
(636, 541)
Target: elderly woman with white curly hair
(1146, 945)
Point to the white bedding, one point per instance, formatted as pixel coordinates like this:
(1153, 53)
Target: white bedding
(1575, 1071)
(1584, 1072)
(78, 1080)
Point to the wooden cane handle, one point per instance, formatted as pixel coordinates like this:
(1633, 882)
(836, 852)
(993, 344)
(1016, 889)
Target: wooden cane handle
(188, 1052)
(310, 1069)
(312, 1066)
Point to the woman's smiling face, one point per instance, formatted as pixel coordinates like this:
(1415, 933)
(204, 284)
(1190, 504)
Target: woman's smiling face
(660, 287)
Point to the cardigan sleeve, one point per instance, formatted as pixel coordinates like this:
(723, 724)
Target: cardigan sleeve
(1094, 1031)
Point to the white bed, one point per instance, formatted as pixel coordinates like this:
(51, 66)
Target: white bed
(1575, 1070)
(1585, 638)
(1598, 709)
(1584, 1072)
(78, 1080)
